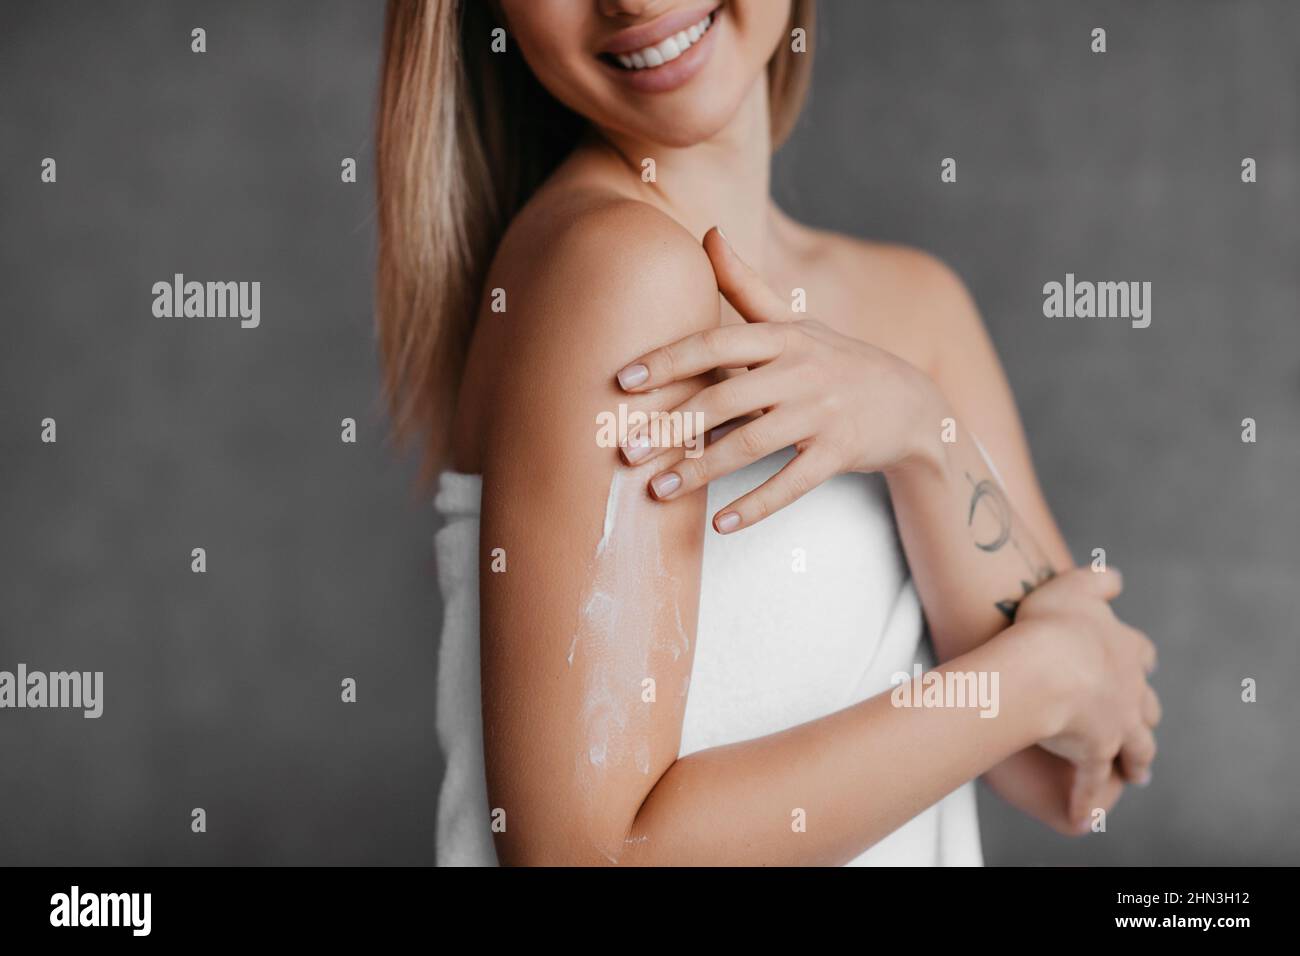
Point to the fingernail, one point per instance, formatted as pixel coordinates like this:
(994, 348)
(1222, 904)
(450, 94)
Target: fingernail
(1144, 780)
(637, 447)
(665, 484)
(1083, 826)
(727, 521)
(723, 235)
(632, 376)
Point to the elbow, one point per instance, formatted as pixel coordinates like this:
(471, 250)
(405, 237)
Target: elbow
(553, 852)
(552, 842)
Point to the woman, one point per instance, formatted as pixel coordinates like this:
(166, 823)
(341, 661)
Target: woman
(712, 658)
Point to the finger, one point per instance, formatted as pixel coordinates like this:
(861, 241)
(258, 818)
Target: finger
(1059, 818)
(1106, 585)
(1092, 783)
(752, 441)
(1150, 656)
(1062, 815)
(1145, 649)
(708, 408)
(1136, 756)
(743, 287)
(802, 474)
(1151, 709)
(725, 346)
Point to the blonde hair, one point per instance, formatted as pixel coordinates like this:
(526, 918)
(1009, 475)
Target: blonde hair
(464, 138)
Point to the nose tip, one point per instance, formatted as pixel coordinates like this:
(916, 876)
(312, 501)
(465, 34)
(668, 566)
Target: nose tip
(629, 9)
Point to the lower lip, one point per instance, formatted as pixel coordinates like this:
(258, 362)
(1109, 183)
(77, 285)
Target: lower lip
(675, 73)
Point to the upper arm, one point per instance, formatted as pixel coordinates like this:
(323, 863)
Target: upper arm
(588, 633)
(966, 368)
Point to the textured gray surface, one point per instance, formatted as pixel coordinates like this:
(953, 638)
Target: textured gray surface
(222, 689)
(1124, 166)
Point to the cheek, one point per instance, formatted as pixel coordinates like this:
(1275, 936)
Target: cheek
(764, 27)
(565, 69)
(548, 43)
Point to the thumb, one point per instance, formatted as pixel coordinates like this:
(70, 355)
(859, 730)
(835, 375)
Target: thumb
(1093, 789)
(743, 287)
(1105, 585)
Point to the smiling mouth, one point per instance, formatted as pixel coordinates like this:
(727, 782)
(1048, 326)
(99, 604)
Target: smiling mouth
(666, 50)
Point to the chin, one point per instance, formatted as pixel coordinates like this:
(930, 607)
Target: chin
(696, 123)
(686, 99)
(696, 112)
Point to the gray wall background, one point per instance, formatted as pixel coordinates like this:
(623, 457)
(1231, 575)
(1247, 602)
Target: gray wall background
(222, 690)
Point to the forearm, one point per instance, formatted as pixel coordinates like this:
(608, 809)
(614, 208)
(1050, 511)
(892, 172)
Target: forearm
(971, 556)
(856, 775)
(973, 559)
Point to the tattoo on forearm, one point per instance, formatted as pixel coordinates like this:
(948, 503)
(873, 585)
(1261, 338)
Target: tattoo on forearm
(1040, 569)
(988, 491)
(1009, 606)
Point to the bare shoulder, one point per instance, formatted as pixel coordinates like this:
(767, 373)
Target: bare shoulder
(583, 282)
(887, 268)
(897, 296)
(606, 245)
(591, 273)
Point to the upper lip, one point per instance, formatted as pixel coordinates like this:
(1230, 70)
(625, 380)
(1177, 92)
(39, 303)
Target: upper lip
(657, 30)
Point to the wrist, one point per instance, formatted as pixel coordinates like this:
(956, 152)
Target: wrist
(1047, 685)
(925, 453)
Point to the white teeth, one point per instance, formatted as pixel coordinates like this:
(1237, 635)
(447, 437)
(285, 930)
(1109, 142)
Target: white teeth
(666, 50)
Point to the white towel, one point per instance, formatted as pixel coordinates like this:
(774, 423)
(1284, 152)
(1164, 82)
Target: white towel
(806, 613)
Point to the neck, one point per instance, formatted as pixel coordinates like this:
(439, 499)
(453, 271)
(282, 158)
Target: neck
(722, 181)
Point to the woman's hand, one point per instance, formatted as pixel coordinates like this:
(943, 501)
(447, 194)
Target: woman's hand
(1108, 708)
(843, 404)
